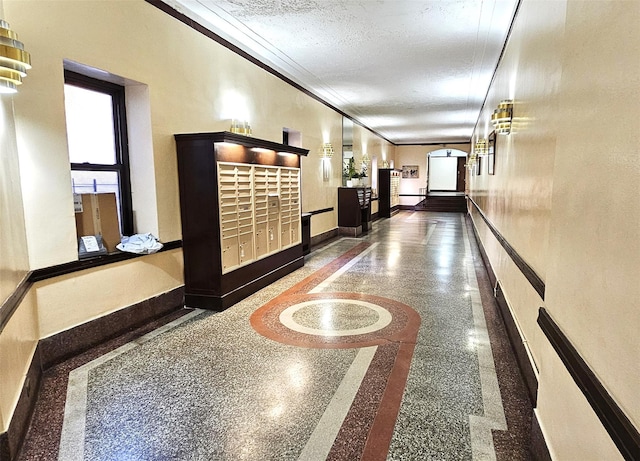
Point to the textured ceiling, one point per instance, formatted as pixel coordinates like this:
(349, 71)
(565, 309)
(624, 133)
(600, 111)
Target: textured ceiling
(415, 72)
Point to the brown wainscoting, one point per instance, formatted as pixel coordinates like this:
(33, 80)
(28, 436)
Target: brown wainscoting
(320, 238)
(4, 447)
(534, 279)
(69, 343)
(519, 349)
(620, 429)
(57, 348)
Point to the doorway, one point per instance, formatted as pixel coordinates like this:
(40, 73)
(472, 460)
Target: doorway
(446, 170)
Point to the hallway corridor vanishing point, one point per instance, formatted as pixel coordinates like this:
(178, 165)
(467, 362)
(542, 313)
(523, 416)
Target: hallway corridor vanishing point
(387, 346)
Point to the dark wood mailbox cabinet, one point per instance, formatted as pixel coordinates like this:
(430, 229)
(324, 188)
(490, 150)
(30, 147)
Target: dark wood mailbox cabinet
(388, 190)
(240, 209)
(354, 209)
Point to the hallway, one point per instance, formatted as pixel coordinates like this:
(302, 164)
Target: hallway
(387, 346)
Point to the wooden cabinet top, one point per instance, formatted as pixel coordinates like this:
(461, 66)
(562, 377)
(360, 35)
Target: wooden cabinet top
(242, 140)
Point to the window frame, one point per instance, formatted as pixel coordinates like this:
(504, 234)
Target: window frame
(122, 166)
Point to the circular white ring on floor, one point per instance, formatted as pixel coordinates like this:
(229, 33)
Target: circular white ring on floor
(384, 318)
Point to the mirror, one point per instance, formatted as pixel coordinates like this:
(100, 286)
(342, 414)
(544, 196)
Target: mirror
(347, 148)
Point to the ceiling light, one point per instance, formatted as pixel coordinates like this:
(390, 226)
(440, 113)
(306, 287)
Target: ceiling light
(14, 60)
(502, 116)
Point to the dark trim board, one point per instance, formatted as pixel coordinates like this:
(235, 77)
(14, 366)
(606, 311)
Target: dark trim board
(519, 349)
(80, 265)
(534, 279)
(324, 210)
(620, 429)
(13, 301)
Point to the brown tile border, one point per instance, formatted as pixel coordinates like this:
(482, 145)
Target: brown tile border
(367, 430)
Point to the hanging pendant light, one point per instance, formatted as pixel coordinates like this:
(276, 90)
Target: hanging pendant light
(14, 60)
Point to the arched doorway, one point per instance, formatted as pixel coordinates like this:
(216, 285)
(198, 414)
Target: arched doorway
(446, 170)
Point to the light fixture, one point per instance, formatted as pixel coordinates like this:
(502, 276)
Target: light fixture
(14, 60)
(481, 147)
(471, 161)
(327, 150)
(241, 127)
(502, 116)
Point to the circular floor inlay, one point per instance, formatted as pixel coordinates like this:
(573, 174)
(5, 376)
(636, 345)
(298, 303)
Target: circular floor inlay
(335, 317)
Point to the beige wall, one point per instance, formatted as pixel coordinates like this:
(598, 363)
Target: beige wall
(565, 196)
(177, 81)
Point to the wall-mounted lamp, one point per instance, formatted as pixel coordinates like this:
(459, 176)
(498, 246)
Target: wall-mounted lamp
(14, 60)
(502, 116)
(471, 161)
(327, 150)
(240, 127)
(481, 147)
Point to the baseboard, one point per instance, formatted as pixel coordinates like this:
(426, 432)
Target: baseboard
(538, 445)
(320, 238)
(519, 349)
(4, 447)
(62, 346)
(69, 343)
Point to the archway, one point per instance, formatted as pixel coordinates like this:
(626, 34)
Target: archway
(446, 171)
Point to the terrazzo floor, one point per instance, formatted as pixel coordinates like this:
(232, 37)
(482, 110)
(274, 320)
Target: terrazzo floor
(384, 347)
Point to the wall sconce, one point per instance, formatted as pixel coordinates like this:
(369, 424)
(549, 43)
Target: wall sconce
(14, 60)
(240, 127)
(481, 147)
(502, 116)
(471, 161)
(327, 150)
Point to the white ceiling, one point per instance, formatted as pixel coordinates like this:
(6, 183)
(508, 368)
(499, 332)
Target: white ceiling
(415, 72)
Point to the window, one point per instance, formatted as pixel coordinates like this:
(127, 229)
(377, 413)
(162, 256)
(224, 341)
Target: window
(97, 137)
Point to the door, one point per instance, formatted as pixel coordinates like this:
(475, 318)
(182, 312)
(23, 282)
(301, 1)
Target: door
(462, 175)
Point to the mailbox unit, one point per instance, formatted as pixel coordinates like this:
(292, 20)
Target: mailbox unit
(240, 209)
